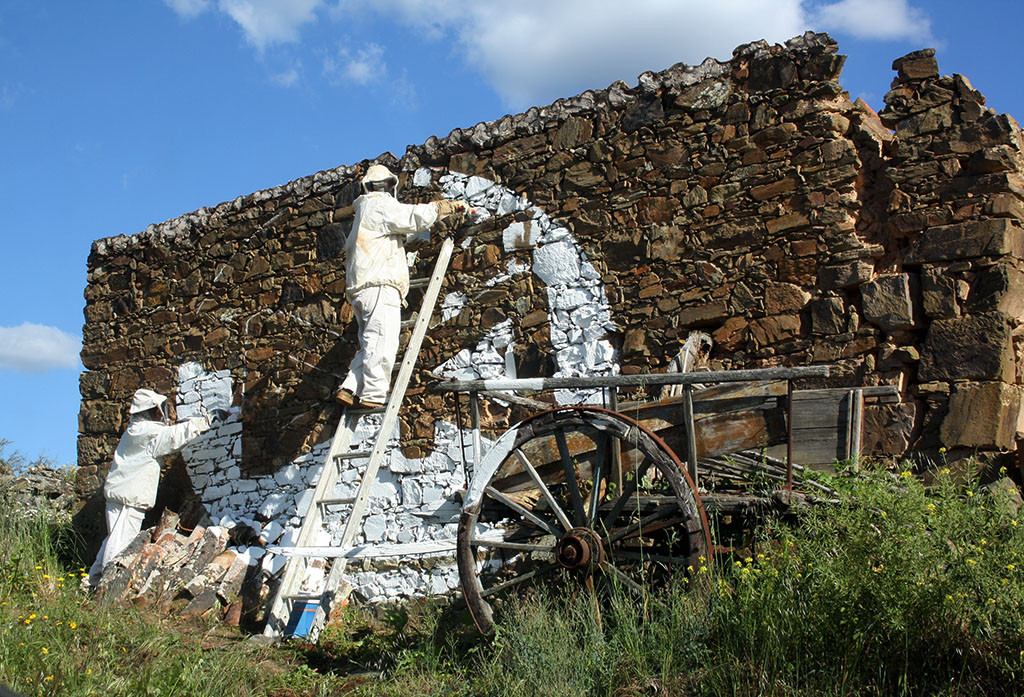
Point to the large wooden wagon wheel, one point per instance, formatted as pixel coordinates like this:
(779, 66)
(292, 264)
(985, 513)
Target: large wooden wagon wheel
(578, 495)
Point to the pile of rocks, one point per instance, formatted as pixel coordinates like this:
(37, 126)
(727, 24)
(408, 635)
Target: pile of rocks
(193, 571)
(38, 489)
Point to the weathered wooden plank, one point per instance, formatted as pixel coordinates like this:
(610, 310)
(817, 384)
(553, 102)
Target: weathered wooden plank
(641, 380)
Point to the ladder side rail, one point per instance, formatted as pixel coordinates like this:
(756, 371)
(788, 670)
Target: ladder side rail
(354, 522)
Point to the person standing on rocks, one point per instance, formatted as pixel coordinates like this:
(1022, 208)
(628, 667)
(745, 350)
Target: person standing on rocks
(377, 280)
(131, 484)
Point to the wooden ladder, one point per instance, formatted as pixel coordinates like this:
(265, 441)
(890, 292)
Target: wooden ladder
(289, 598)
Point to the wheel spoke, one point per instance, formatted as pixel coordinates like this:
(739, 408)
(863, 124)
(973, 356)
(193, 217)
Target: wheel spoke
(624, 578)
(532, 471)
(639, 524)
(523, 511)
(627, 492)
(570, 477)
(519, 579)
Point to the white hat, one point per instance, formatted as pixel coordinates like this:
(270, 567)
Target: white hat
(378, 173)
(144, 400)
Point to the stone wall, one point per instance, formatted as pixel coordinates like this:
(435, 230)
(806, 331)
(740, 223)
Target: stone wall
(749, 199)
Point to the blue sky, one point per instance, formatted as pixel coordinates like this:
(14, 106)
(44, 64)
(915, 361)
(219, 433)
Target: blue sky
(121, 113)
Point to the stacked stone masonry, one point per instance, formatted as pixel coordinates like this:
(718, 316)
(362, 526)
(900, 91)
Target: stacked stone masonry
(749, 199)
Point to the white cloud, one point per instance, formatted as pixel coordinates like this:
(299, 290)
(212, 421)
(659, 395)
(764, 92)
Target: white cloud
(287, 78)
(362, 67)
(537, 50)
(188, 9)
(267, 22)
(36, 348)
(885, 20)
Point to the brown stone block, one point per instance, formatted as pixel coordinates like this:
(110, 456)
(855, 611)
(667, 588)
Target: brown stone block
(982, 415)
(999, 288)
(534, 319)
(846, 275)
(784, 297)
(651, 291)
(918, 69)
(704, 314)
(977, 347)
(772, 189)
(790, 221)
(993, 238)
(731, 335)
(773, 330)
(100, 417)
(887, 302)
(635, 342)
(938, 293)
(888, 429)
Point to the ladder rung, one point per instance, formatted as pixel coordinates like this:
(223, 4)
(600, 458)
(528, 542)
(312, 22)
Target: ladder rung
(335, 502)
(421, 282)
(406, 323)
(302, 597)
(354, 455)
(374, 410)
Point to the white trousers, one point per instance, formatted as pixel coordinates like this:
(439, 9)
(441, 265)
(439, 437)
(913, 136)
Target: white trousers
(123, 525)
(378, 311)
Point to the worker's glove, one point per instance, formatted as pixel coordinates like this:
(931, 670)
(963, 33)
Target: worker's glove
(446, 208)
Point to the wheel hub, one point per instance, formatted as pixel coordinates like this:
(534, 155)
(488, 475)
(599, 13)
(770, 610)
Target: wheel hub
(580, 548)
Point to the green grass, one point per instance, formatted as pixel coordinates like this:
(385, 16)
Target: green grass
(898, 589)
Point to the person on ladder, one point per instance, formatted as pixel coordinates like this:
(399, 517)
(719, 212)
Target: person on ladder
(377, 280)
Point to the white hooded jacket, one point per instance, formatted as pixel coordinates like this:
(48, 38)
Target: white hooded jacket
(135, 472)
(375, 248)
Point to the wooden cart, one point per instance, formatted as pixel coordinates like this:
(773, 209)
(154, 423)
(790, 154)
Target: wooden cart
(598, 493)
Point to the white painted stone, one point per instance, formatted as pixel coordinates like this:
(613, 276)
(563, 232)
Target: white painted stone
(273, 563)
(303, 503)
(520, 235)
(452, 305)
(290, 474)
(274, 505)
(412, 492)
(422, 177)
(556, 263)
(384, 490)
(189, 371)
(374, 528)
(476, 187)
(213, 493)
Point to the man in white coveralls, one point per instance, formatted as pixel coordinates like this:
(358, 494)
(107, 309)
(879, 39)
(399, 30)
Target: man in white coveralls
(377, 280)
(130, 488)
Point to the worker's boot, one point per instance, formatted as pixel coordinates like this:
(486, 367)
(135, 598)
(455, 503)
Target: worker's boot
(344, 397)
